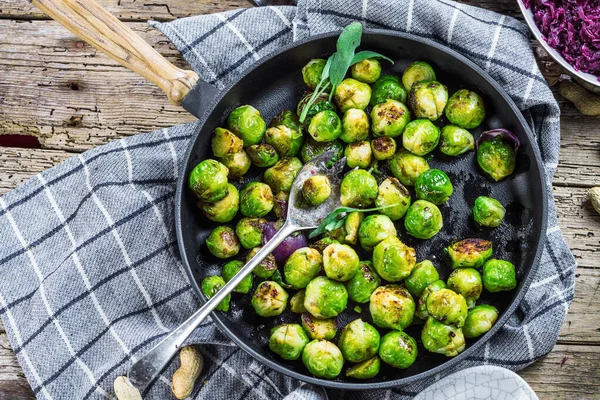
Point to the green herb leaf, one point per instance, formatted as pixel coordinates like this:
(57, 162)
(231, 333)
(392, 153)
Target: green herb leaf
(335, 219)
(325, 73)
(330, 220)
(365, 54)
(347, 43)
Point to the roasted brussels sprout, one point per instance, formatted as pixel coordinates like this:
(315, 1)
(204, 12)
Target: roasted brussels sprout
(321, 244)
(351, 226)
(297, 303)
(488, 211)
(340, 262)
(467, 282)
(393, 260)
(499, 276)
(358, 154)
(374, 229)
(455, 140)
(392, 193)
(416, 72)
(280, 176)
(266, 268)
(225, 209)
(422, 275)
(311, 72)
(319, 328)
(480, 319)
(302, 266)
(250, 231)
(358, 341)
(465, 109)
(246, 122)
(420, 136)
(222, 242)
(229, 271)
(237, 163)
(311, 149)
(443, 339)
(434, 186)
(321, 103)
(423, 219)
(355, 126)
(428, 99)
(225, 142)
(316, 189)
(325, 126)
(496, 157)
(269, 299)
(210, 286)
(392, 307)
(208, 180)
(323, 359)
(389, 118)
(262, 155)
(351, 93)
(367, 71)
(363, 283)
(422, 306)
(256, 199)
(388, 87)
(365, 370)
(398, 349)
(384, 148)
(325, 298)
(285, 134)
(407, 167)
(288, 340)
(469, 253)
(358, 189)
(448, 307)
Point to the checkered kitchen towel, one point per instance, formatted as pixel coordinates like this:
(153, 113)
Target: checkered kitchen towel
(91, 278)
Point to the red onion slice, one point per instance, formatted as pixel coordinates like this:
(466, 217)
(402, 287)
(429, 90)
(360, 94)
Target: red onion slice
(288, 246)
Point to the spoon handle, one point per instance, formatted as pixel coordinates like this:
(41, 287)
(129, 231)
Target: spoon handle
(150, 365)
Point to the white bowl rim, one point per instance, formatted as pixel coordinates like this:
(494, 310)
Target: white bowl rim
(591, 79)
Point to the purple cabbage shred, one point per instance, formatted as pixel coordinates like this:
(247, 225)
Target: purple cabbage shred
(571, 27)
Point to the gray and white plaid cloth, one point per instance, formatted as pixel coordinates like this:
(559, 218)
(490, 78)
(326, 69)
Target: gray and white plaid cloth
(91, 277)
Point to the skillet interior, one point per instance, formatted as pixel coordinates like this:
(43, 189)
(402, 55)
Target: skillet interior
(276, 84)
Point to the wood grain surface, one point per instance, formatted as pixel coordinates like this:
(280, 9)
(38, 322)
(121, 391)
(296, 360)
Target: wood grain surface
(53, 87)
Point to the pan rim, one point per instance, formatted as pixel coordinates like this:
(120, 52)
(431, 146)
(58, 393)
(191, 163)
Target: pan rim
(451, 362)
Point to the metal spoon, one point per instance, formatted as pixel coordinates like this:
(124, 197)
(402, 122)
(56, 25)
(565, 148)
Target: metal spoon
(300, 216)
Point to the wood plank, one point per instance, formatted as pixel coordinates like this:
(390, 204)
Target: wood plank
(13, 384)
(583, 319)
(579, 163)
(62, 91)
(576, 379)
(133, 10)
(55, 88)
(580, 224)
(18, 165)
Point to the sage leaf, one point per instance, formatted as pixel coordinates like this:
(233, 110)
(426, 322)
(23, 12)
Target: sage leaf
(347, 43)
(335, 219)
(365, 54)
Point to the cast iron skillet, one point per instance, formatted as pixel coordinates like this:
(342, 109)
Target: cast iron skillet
(275, 84)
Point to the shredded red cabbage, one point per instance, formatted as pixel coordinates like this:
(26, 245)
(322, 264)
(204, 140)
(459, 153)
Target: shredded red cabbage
(571, 27)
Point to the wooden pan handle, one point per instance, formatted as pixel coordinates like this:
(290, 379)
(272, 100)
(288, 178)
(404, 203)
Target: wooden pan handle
(92, 23)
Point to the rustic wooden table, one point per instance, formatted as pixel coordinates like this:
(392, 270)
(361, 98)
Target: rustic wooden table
(59, 91)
